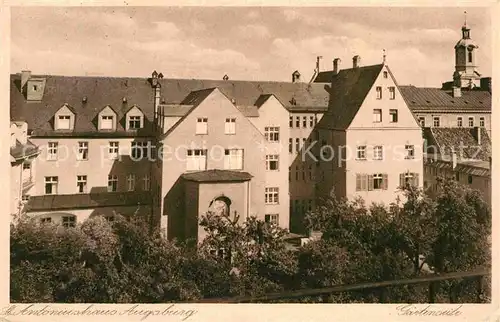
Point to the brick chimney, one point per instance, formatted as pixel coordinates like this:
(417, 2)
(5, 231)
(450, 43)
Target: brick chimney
(25, 76)
(457, 91)
(336, 65)
(356, 61)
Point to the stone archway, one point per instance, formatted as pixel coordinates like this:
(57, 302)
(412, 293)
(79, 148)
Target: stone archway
(220, 206)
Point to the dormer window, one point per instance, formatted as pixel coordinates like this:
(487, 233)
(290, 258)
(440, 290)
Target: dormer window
(134, 122)
(107, 122)
(64, 122)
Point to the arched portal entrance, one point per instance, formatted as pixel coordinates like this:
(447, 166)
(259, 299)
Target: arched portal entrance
(220, 206)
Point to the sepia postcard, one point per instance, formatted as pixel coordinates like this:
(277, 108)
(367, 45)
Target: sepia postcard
(166, 161)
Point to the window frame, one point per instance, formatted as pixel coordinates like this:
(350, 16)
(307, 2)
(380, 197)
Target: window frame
(130, 182)
(438, 118)
(201, 126)
(134, 120)
(64, 117)
(377, 112)
(272, 134)
(272, 219)
(107, 117)
(392, 92)
(230, 126)
(393, 115)
(81, 183)
(54, 182)
(272, 159)
(271, 196)
(113, 151)
(52, 151)
(83, 151)
(378, 152)
(361, 148)
(193, 157)
(112, 183)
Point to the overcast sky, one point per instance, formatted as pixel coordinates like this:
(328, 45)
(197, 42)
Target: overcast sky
(250, 43)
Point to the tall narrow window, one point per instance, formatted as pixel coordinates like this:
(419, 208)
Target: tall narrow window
(51, 185)
(139, 150)
(459, 121)
(147, 182)
(230, 126)
(377, 115)
(379, 92)
(52, 151)
(393, 115)
(378, 181)
(113, 150)
(297, 121)
(471, 121)
(83, 151)
(311, 121)
(361, 152)
(470, 56)
(291, 122)
(272, 196)
(481, 121)
(272, 133)
(297, 145)
(112, 183)
(410, 151)
(290, 145)
(81, 183)
(378, 153)
(436, 121)
(131, 182)
(385, 74)
(196, 160)
(304, 122)
(272, 162)
(408, 178)
(202, 125)
(421, 120)
(233, 159)
(392, 92)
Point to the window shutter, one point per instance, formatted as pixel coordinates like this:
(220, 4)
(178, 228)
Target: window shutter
(370, 182)
(415, 179)
(384, 181)
(358, 182)
(401, 180)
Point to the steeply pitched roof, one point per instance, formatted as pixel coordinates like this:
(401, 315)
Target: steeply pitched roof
(349, 89)
(423, 98)
(249, 111)
(461, 140)
(102, 91)
(92, 200)
(216, 175)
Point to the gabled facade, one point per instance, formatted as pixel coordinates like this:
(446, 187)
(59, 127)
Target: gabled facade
(369, 141)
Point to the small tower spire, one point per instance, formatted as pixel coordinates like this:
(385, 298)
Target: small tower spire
(384, 56)
(465, 18)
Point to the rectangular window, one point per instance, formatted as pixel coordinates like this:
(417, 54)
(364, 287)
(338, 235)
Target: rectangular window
(379, 92)
(392, 92)
(113, 150)
(26, 166)
(408, 178)
(202, 125)
(436, 121)
(361, 182)
(297, 121)
(421, 120)
(134, 122)
(63, 122)
(52, 151)
(471, 121)
(385, 74)
(51, 185)
(378, 182)
(147, 182)
(393, 115)
(139, 150)
(311, 121)
(378, 153)
(112, 183)
(68, 221)
(481, 121)
(196, 160)
(410, 152)
(272, 196)
(130, 182)
(272, 219)
(230, 126)
(272, 133)
(297, 145)
(291, 122)
(459, 121)
(81, 183)
(106, 122)
(377, 116)
(290, 145)
(304, 121)
(361, 152)
(233, 159)
(469, 179)
(83, 151)
(272, 162)
(46, 220)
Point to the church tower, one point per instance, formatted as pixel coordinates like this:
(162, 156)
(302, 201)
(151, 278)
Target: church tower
(465, 61)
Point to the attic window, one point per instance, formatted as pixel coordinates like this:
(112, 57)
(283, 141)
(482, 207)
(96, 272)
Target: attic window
(385, 74)
(134, 122)
(107, 122)
(63, 122)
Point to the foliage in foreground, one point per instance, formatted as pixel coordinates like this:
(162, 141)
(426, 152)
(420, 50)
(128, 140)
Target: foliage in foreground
(123, 261)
